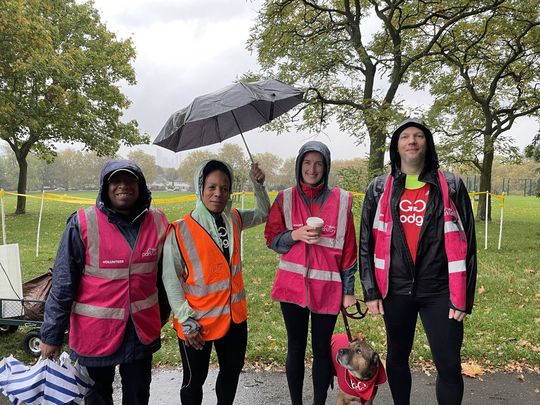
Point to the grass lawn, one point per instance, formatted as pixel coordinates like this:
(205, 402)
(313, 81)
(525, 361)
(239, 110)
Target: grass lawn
(503, 329)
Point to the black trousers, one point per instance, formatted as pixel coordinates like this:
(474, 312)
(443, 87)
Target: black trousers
(445, 337)
(135, 376)
(322, 326)
(231, 352)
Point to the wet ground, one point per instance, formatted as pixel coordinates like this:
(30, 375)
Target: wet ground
(265, 388)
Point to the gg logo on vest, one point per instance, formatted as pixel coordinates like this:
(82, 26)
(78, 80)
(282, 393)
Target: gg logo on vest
(150, 252)
(414, 209)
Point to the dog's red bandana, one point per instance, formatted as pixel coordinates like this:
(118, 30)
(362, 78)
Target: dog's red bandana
(348, 383)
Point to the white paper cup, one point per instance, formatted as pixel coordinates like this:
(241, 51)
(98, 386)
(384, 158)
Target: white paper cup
(315, 222)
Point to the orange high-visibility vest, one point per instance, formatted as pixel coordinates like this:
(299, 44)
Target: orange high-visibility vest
(117, 282)
(213, 288)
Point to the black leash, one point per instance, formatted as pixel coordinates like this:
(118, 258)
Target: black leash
(359, 314)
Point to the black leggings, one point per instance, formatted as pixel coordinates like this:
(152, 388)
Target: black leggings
(322, 326)
(445, 337)
(136, 378)
(230, 350)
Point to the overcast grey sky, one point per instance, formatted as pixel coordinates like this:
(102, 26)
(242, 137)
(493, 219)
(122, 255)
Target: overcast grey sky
(186, 48)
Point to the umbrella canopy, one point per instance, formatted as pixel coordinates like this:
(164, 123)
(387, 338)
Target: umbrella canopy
(214, 117)
(46, 382)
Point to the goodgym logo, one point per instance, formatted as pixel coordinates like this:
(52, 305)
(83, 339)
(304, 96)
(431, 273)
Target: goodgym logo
(412, 212)
(150, 252)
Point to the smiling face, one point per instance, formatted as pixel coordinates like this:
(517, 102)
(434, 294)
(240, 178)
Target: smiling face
(216, 191)
(123, 191)
(312, 168)
(412, 147)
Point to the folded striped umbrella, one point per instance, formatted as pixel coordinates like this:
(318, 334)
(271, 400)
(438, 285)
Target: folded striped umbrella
(46, 382)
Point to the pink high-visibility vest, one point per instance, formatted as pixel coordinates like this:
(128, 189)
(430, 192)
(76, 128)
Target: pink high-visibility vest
(309, 275)
(117, 282)
(455, 243)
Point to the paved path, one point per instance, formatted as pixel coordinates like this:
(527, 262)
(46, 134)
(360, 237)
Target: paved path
(263, 388)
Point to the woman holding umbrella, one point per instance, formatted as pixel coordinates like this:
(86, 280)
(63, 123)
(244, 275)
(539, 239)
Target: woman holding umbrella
(202, 274)
(315, 275)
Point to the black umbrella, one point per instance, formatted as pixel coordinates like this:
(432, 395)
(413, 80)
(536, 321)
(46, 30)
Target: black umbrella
(214, 117)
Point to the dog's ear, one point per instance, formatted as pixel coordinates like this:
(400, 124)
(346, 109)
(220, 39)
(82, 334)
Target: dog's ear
(376, 359)
(360, 336)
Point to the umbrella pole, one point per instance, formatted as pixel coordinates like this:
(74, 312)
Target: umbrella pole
(242, 135)
(248, 151)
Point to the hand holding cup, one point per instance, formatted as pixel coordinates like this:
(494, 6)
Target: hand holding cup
(310, 232)
(316, 224)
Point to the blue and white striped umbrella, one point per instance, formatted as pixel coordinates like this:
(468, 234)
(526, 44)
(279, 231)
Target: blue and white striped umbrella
(46, 382)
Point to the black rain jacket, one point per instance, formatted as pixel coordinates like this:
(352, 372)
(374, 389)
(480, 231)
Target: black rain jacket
(428, 276)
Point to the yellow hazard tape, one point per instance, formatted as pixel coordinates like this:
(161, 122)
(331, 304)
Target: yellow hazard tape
(70, 199)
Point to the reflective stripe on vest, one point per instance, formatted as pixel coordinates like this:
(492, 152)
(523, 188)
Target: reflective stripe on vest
(117, 282)
(324, 275)
(113, 313)
(214, 303)
(454, 237)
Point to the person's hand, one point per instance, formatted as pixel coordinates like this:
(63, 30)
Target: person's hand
(455, 314)
(306, 234)
(348, 301)
(49, 351)
(257, 173)
(375, 307)
(195, 340)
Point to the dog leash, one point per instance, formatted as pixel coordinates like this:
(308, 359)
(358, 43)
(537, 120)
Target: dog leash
(359, 314)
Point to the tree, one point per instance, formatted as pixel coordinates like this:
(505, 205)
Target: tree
(87, 165)
(71, 161)
(348, 74)
(59, 69)
(533, 151)
(234, 155)
(146, 162)
(485, 75)
(351, 175)
(8, 169)
(170, 174)
(286, 177)
(187, 168)
(271, 164)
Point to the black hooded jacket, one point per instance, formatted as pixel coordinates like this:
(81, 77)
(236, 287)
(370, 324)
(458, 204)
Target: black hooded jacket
(428, 276)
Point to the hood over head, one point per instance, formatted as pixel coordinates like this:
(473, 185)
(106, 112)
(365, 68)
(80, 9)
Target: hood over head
(431, 162)
(205, 168)
(113, 166)
(313, 146)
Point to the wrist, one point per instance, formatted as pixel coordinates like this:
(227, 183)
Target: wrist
(190, 326)
(293, 236)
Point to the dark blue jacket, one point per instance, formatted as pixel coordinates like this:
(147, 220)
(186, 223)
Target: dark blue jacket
(69, 265)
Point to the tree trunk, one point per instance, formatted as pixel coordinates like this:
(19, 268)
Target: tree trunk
(21, 186)
(485, 182)
(377, 143)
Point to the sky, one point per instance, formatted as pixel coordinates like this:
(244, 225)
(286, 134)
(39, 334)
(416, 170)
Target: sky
(186, 48)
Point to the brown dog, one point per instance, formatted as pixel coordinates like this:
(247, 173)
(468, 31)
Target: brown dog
(358, 369)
